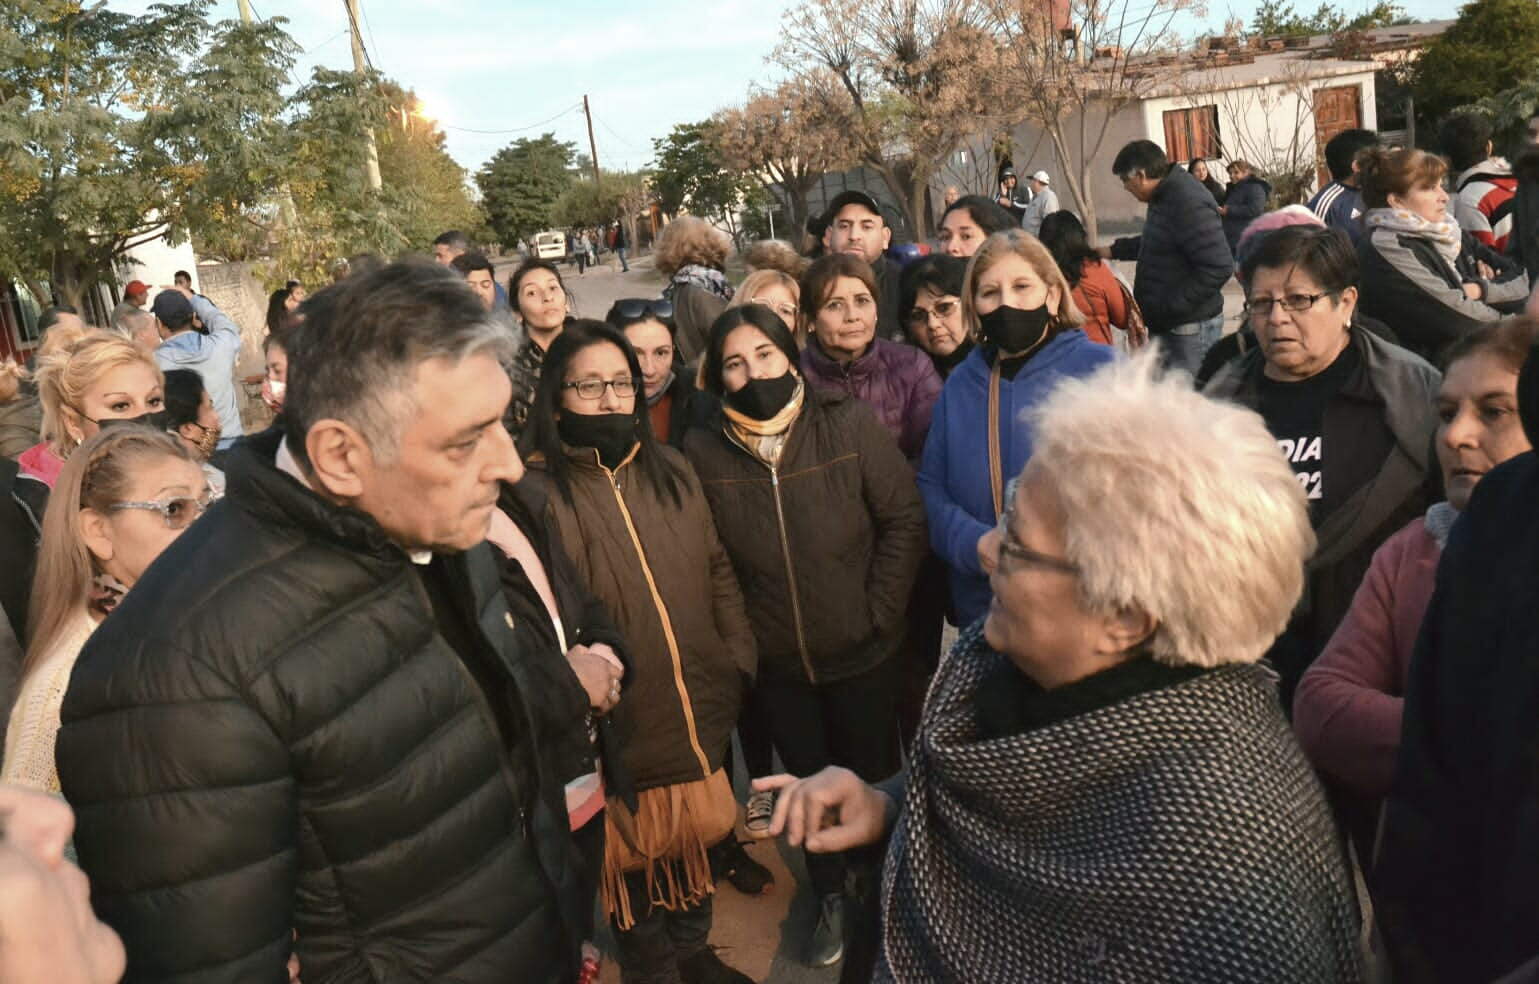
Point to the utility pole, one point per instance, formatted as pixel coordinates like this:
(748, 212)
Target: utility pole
(245, 12)
(359, 66)
(592, 147)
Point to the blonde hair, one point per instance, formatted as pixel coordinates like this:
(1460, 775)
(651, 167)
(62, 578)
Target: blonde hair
(11, 376)
(757, 282)
(70, 368)
(688, 240)
(775, 254)
(1018, 242)
(1210, 530)
(99, 475)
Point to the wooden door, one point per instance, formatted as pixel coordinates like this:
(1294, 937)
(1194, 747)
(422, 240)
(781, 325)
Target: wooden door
(1337, 108)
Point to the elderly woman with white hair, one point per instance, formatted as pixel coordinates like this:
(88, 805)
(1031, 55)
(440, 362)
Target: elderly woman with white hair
(1103, 787)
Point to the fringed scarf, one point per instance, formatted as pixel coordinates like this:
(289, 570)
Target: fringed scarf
(1444, 235)
(666, 838)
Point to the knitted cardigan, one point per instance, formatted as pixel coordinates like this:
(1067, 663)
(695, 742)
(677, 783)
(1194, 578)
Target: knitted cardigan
(1178, 835)
(29, 738)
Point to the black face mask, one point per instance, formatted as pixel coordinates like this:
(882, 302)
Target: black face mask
(761, 399)
(612, 435)
(1015, 331)
(158, 419)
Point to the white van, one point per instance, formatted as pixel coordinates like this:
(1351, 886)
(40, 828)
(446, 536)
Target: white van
(550, 245)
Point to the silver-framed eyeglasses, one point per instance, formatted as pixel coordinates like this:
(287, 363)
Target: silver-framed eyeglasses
(1014, 548)
(919, 317)
(178, 510)
(785, 309)
(1261, 307)
(593, 389)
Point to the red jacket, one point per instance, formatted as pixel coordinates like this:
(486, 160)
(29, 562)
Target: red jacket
(1098, 295)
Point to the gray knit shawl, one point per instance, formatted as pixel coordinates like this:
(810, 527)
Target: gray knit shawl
(1178, 835)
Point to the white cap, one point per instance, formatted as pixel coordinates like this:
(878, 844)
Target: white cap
(1042, 177)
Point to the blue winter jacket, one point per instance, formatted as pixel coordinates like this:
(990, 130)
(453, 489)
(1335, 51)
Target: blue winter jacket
(954, 472)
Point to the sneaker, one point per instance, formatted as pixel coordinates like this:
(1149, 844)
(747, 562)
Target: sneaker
(730, 861)
(706, 967)
(827, 946)
(758, 814)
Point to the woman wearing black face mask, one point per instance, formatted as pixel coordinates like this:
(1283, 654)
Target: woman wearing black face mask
(632, 515)
(1020, 310)
(819, 512)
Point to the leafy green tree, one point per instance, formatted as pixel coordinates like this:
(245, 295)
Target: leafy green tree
(521, 184)
(1493, 43)
(585, 203)
(689, 172)
(1280, 17)
(92, 162)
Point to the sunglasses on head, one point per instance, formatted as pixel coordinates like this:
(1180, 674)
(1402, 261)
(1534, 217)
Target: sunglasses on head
(638, 307)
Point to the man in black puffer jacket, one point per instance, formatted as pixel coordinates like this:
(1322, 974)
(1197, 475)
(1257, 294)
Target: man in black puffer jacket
(307, 729)
(1183, 258)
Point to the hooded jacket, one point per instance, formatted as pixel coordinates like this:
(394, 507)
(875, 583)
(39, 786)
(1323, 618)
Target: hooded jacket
(1183, 258)
(1244, 203)
(1483, 202)
(954, 474)
(661, 572)
(212, 356)
(1385, 411)
(826, 545)
(273, 736)
(897, 381)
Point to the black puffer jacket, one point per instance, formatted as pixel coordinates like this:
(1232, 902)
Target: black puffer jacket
(270, 735)
(1183, 258)
(826, 547)
(1244, 204)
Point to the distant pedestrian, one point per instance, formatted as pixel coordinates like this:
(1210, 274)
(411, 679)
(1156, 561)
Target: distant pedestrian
(1483, 185)
(577, 249)
(1044, 202)
(1198, 168)
(212, 352)
(1183, 258)
(621, 244)
(1243, 203)
(1097, 292)
(1340, 203)
(1009, 197)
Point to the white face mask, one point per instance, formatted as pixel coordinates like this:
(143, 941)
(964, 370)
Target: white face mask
(276, 388)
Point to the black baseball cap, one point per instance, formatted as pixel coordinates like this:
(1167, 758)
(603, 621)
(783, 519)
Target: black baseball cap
(860, 198)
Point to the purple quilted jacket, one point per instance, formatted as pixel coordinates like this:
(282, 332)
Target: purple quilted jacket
(898, 381)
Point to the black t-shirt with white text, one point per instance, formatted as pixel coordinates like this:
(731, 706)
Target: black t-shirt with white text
(1295, 414)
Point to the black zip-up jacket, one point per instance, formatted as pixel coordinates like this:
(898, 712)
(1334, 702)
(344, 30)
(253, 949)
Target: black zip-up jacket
(827, 576)
(272, 736)
(1183, 258)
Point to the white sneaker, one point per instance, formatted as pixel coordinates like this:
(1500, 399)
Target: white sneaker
(758, 813)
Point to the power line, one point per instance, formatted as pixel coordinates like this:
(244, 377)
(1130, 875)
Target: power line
(353, 21)
(368, 27)
(518, 129)
(623, 141)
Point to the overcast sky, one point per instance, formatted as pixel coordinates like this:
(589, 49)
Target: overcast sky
(521, 67)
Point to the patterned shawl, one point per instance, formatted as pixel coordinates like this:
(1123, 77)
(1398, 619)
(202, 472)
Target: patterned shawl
(1178, 835)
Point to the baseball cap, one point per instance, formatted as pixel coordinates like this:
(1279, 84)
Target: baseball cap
(1008, 172)
(135, 288)
(844, 198)
(172, 308)
(1042, 177)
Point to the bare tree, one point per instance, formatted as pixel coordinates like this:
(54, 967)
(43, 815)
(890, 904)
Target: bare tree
(1069, 67)
(910, 84)
(788, 138)
(1282, 148)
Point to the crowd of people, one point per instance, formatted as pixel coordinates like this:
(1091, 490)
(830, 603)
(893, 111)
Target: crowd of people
(446, 674)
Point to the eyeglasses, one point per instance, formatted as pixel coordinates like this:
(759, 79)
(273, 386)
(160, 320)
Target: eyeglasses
(178, 511)
(785, 309)
(1009, 545)
(919, 317)
(1261, 307)
(640, 307)
(593, 389)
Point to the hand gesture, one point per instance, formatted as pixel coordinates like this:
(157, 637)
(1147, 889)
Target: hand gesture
(831, 811)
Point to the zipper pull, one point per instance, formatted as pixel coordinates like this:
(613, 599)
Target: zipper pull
(775, 476)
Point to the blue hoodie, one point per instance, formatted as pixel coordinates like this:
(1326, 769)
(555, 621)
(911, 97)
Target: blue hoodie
(213, 357)
(954, 472)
